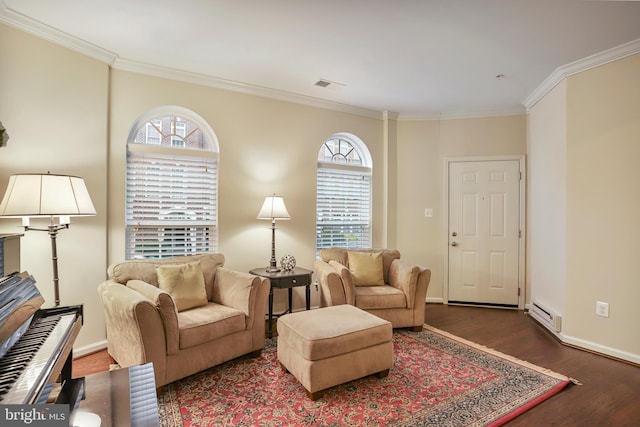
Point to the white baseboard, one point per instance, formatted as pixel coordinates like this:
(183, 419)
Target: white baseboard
(435, 300)
(595, 347)
(88, 349)
(599, 348)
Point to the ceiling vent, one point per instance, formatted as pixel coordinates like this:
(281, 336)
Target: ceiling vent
(322, 83)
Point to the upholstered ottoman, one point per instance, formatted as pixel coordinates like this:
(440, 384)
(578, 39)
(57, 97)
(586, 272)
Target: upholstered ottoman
(334, 345)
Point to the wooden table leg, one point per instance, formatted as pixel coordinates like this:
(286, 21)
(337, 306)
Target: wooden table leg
(270, 328)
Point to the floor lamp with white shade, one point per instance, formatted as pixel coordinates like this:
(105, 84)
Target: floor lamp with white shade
(57, 197)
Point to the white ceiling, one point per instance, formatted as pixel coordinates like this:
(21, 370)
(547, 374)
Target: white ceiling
(417, 58)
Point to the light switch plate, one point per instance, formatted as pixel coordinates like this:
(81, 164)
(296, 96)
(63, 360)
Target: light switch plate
(602, 309)
(428, 213)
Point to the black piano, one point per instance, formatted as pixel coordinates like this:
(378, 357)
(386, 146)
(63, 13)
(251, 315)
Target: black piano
(36, 346)
(36, 355)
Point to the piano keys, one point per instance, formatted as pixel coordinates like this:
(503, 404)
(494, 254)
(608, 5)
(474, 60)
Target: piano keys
(37, 358)
(36, 351)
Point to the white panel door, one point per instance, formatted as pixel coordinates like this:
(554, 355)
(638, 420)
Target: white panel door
(484, 217)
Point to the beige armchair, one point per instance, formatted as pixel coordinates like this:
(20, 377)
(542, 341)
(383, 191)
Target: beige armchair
(184, 314)
(375, 280)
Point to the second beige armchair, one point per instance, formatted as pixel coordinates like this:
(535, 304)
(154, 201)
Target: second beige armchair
(375, 280)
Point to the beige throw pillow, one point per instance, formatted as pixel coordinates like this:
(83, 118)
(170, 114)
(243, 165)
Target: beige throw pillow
(185, 284)
(366, 268)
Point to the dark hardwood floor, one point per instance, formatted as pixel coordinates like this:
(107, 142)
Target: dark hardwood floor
(93, 363)
(610, 392)
(609, 396)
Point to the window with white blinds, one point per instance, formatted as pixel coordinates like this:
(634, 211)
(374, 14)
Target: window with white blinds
(343, 206)
(171, 193)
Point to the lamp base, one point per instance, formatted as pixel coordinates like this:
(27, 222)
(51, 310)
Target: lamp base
(273, 266)
(53, 233)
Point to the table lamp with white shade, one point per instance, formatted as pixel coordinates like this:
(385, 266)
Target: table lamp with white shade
(273, 209)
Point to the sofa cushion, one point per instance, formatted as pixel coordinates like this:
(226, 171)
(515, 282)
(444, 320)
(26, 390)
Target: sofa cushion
(233, 288)
(208, 323)
(366, 268)
(335, 254)
(185, 284)
(340, 255)
(380, 297)
(145, 269)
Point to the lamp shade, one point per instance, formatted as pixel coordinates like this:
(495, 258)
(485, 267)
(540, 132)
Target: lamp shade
(45, 195)
(273, 208)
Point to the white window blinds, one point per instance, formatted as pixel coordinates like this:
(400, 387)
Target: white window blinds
(343, 206)
(171, 201)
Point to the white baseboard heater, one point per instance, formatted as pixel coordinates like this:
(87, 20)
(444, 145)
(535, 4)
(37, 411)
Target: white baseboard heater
(545, 316)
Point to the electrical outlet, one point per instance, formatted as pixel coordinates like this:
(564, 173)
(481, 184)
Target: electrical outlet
(602, 309)
(428, 213)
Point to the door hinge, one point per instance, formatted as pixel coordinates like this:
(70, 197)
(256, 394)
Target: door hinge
(519, 234)
(518, 291)
(520, 176)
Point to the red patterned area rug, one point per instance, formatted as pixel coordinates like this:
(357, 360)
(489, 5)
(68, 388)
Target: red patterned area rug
(437, 380)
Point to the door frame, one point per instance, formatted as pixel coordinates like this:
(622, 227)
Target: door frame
(522, 223)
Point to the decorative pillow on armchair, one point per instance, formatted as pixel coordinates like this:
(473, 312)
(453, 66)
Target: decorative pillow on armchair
(185, 284)
(366, 268)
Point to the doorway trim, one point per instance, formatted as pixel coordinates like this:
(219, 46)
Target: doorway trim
(522, 220)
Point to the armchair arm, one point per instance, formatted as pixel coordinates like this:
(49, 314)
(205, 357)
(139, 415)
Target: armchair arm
(133, 322)
(247, 293)
(347, 281)
(404, 276)
(332, 290)
(168, 311)
(424, 278)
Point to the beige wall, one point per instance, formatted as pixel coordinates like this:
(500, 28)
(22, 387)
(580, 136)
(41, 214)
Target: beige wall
(546, 196)
(390, 183)
(603, 206)
(423, 147)
(584, 205)
(419, 187)
(266, 146)
(53, 103)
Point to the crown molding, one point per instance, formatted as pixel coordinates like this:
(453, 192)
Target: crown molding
(28, 25)
(205, 80)
(417, 117)
(513, 111)
(390, 115)
(584, 64)
(23, 23)
(471, 114)
(46, 32)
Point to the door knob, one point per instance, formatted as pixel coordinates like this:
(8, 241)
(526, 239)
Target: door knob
(454, 244)
(454, 234)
